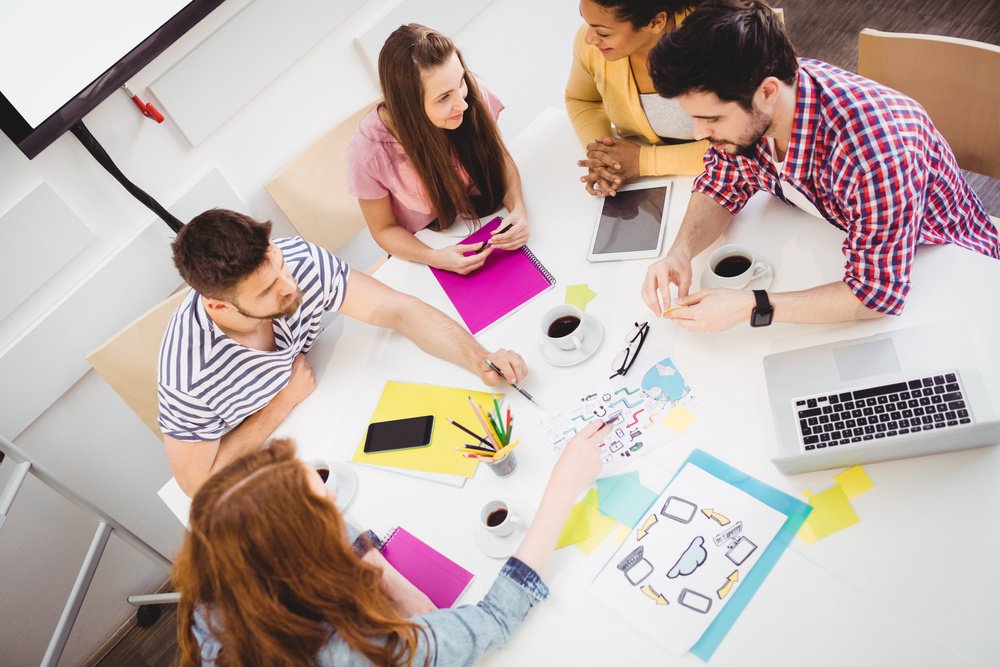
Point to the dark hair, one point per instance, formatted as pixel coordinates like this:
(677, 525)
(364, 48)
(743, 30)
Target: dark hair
(218, 249)
(408, 51)
(641, 12)
(726, 47)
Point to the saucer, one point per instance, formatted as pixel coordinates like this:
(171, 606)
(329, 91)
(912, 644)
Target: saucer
(347, 484)
(500, 547)
(593, 335)
(763, 281)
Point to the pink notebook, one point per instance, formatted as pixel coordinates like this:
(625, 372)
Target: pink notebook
(440, 578)
(508, 280)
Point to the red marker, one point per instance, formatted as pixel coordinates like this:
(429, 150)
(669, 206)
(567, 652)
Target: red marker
(147, 108)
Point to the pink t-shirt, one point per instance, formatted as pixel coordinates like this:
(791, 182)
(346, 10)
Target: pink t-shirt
(378, 167)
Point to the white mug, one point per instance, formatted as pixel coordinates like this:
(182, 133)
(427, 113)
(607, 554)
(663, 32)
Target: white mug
(326, 473)
(497, 518)
(735, 253)
(559, 330)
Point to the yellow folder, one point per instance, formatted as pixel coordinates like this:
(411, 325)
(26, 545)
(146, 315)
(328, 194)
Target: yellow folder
(408, 399)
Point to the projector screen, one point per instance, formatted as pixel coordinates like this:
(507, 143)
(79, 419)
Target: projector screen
(61, 58)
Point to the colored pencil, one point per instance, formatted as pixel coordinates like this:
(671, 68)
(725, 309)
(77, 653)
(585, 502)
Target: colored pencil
(482, 422)
(506, 450)
(473, 434)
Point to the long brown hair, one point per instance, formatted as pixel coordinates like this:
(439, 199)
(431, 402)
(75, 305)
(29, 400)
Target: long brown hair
(268, 562)
(408, 51)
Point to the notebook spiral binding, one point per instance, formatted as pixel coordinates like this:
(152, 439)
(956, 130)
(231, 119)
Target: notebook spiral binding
(538, 265)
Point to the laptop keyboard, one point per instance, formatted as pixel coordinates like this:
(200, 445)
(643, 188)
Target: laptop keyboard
(874, 413)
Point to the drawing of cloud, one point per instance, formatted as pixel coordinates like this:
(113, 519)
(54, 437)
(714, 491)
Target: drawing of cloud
(689, 561)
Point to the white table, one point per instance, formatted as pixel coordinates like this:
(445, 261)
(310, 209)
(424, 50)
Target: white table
(912, 584)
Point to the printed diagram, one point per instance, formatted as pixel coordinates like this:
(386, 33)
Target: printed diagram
(643, 529)
(635, 567)
(632, 410)
(692, 558)
(679, 509)
(653, 595)
(694, 600)
(716, 517)
(728, 586)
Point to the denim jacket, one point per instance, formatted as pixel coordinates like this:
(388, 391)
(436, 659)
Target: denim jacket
(452, 637)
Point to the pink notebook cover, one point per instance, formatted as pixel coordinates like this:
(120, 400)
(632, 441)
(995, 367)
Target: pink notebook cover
(508, 280)
(440, 578)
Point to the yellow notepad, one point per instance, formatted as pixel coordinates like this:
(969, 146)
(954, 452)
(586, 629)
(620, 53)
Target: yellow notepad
(407, 399)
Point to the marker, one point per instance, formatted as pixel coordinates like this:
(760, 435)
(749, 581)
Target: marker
(493, 367)
(612, 419)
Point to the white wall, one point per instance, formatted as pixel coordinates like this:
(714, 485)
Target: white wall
(88, 437)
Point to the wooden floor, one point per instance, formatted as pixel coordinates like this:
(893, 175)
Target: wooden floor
(823, 29)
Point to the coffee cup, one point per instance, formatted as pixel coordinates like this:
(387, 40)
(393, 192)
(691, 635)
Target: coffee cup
(497, 519)
(326, 474)
(734, 266)
(563, 327)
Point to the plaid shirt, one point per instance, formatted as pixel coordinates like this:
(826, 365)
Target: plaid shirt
(873, 164)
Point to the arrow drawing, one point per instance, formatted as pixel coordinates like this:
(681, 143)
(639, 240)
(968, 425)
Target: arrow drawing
(635, 417)
(625, 401)
(715, 516)
(625, 389)
(728, 586)
(584, 418)
(653, 595)
(646, 525)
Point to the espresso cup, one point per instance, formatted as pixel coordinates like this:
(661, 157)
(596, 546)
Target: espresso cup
(326, 474)
(563, 327)
(733, 266)
(497, 519)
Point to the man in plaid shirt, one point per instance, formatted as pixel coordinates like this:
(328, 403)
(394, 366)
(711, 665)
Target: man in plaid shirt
(863, 157)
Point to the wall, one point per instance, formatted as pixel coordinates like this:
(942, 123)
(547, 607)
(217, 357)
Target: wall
(88, 437)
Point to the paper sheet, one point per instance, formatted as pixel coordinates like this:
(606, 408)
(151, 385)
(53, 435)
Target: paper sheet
(624, 498)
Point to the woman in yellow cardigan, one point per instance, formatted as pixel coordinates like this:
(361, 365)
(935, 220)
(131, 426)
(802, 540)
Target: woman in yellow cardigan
(609, 84)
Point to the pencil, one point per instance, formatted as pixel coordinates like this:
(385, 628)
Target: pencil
(482, 422)
(474, 435)
(506, 450)
(477, 456)
(509, 421)
(499, 423)
(496, 430)
(472, 448)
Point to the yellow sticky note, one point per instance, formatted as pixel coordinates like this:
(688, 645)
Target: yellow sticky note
(579, 295)
(577, 526)
(600, 527)
(854, 481)
(621, 532)
(806, 534)
(678, 419)
(832, 512)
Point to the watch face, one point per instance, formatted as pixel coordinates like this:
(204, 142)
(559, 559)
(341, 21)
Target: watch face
(761, 318)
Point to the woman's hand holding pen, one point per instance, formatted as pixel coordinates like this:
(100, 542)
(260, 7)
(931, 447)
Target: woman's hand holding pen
(509, 362)
(512, 233)
(461, 259)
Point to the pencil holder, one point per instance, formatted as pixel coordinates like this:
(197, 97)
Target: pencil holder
(503, 466)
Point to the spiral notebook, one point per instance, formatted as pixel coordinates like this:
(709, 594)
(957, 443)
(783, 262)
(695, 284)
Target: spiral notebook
(507, 281)
(440, 578)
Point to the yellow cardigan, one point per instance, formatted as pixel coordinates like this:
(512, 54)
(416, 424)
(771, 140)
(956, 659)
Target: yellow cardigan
(601, 92)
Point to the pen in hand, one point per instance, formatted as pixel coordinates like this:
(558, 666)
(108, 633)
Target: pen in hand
(486, 243)
(493, 367)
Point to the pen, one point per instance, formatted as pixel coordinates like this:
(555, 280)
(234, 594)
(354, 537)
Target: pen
(474, 435)
(500, 231)
(493, 367)
(612, 419)
(475, 448)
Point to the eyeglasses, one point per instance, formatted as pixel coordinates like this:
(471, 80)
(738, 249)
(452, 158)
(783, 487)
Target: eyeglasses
(633, 343)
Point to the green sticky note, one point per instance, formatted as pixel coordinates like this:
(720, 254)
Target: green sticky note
(624, 498)
(577, 526)
(854, 481)
(579, 295)
(832, 512)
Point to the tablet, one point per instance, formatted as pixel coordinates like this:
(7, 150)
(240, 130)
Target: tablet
(630, 225)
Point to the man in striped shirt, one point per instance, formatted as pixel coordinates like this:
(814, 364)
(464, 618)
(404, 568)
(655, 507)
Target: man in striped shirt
(861, 156)
(232, 363)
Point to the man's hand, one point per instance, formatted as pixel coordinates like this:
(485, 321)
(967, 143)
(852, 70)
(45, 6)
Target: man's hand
(610, 163)
(674, 268)
(300, 384)
(508, 361)
(457, 260)
(713, 310)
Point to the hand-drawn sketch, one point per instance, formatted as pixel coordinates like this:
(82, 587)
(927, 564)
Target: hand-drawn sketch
(679, 509)
(729, 535)
(715, 516)
(635, 567)
(731, 580)
(653, 595)
(694, 600)
(692, 558)
(741, 550)
(643, 530)
(663, 382)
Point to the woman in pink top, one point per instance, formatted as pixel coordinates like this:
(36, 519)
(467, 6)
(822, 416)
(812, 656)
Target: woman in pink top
(431, 152)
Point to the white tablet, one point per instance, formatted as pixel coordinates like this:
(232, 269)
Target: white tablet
(630, 225)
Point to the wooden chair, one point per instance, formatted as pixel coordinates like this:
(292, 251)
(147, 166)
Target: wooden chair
(312, 190)
(956, 81)
(128, 361)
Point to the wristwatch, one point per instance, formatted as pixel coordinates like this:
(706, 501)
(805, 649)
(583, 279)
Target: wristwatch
(763, 312)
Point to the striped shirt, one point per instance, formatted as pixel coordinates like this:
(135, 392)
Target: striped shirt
(209, 383)
(873, 164)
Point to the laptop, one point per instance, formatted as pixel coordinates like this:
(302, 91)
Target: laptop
(898, 394)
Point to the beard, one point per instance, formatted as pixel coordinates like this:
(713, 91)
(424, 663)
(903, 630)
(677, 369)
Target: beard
(285, 312)
(747, 144)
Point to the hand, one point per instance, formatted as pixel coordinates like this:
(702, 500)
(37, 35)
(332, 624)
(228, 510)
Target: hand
(508, 361)
(674, 268)
(580, 462)
(300, 384)
(410, 600)
(611, 161)
(713, 310)
(513, 238)
(457, 259)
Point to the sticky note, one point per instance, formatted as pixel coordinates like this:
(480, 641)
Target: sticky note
(831, 513)
(600, 527)
(577, 526)
(619, 534)
(678, 419)
(854, 481)
(624, 498)
(579, 295)
(806, 534)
